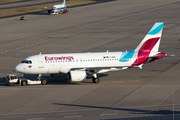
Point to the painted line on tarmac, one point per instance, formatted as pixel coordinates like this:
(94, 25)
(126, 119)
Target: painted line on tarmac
(156, 89)
(73, 116)
(45, 112)
(13, 116)
(145, 117)
(36, 118)
(68, 113)
(110, 114)
(123, 81)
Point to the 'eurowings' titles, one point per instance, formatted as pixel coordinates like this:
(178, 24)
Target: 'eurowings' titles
(59, 58)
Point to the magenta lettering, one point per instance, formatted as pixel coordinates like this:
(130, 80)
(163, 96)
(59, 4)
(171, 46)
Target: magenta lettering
(59, 58)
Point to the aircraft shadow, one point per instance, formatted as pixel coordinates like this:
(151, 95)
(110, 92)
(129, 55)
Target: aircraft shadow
(133, 111)
(2, 83)
(62, 80)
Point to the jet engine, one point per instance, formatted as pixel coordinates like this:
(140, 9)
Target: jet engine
(76, 76)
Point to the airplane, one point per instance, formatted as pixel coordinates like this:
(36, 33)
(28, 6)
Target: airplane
(80, 66)
(59, 8)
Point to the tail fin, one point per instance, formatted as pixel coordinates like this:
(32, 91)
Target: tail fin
(147, 50)
(64, 2)
(151, 41)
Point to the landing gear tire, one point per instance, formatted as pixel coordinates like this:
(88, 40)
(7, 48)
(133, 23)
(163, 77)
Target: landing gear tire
(23, 83)
(65, 11)
(49, 11)
(96, 80)
(43, 82)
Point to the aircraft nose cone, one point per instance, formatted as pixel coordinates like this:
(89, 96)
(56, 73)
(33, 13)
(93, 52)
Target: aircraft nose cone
(17, 68)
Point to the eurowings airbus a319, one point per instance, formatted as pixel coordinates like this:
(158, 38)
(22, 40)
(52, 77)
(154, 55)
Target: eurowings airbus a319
(78, 66)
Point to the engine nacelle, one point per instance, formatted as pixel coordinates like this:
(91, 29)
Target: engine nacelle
(76, 76)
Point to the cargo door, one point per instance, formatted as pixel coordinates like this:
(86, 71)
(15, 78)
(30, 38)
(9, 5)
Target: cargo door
(40, 62)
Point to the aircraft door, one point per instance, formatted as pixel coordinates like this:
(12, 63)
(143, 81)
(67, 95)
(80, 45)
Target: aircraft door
(40, 62)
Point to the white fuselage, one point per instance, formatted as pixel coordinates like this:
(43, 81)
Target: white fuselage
(63, 63)
(58, 8)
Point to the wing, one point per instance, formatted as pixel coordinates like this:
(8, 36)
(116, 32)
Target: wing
(100, 69)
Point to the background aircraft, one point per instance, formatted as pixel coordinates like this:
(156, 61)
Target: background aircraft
(79, 66)
(59, 8)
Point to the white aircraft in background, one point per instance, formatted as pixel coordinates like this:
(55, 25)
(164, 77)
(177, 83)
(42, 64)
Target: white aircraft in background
(59, 8)
(79, 66)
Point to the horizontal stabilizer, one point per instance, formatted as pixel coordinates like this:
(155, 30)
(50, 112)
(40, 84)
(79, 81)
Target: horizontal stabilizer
(158, 55)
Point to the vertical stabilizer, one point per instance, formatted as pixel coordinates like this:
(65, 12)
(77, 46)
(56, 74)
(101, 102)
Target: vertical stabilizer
(151, 41)
(149, 46)
(64, 2)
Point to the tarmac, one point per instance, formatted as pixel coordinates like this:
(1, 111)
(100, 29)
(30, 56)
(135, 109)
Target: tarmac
(149, 93)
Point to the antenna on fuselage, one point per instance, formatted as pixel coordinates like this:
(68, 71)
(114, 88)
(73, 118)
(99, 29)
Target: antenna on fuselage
(40, 53)
(107, 51)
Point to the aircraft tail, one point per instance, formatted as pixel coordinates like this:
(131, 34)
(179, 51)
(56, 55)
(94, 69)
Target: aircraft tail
(150, 43)
(64, 2)
(147, 50)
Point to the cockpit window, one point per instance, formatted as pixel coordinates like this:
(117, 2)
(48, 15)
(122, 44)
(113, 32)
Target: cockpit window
(27, 61)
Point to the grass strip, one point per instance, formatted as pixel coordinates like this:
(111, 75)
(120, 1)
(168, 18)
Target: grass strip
(9, 1)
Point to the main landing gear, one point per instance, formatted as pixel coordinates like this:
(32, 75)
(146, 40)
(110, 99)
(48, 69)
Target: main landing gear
(95, 79)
